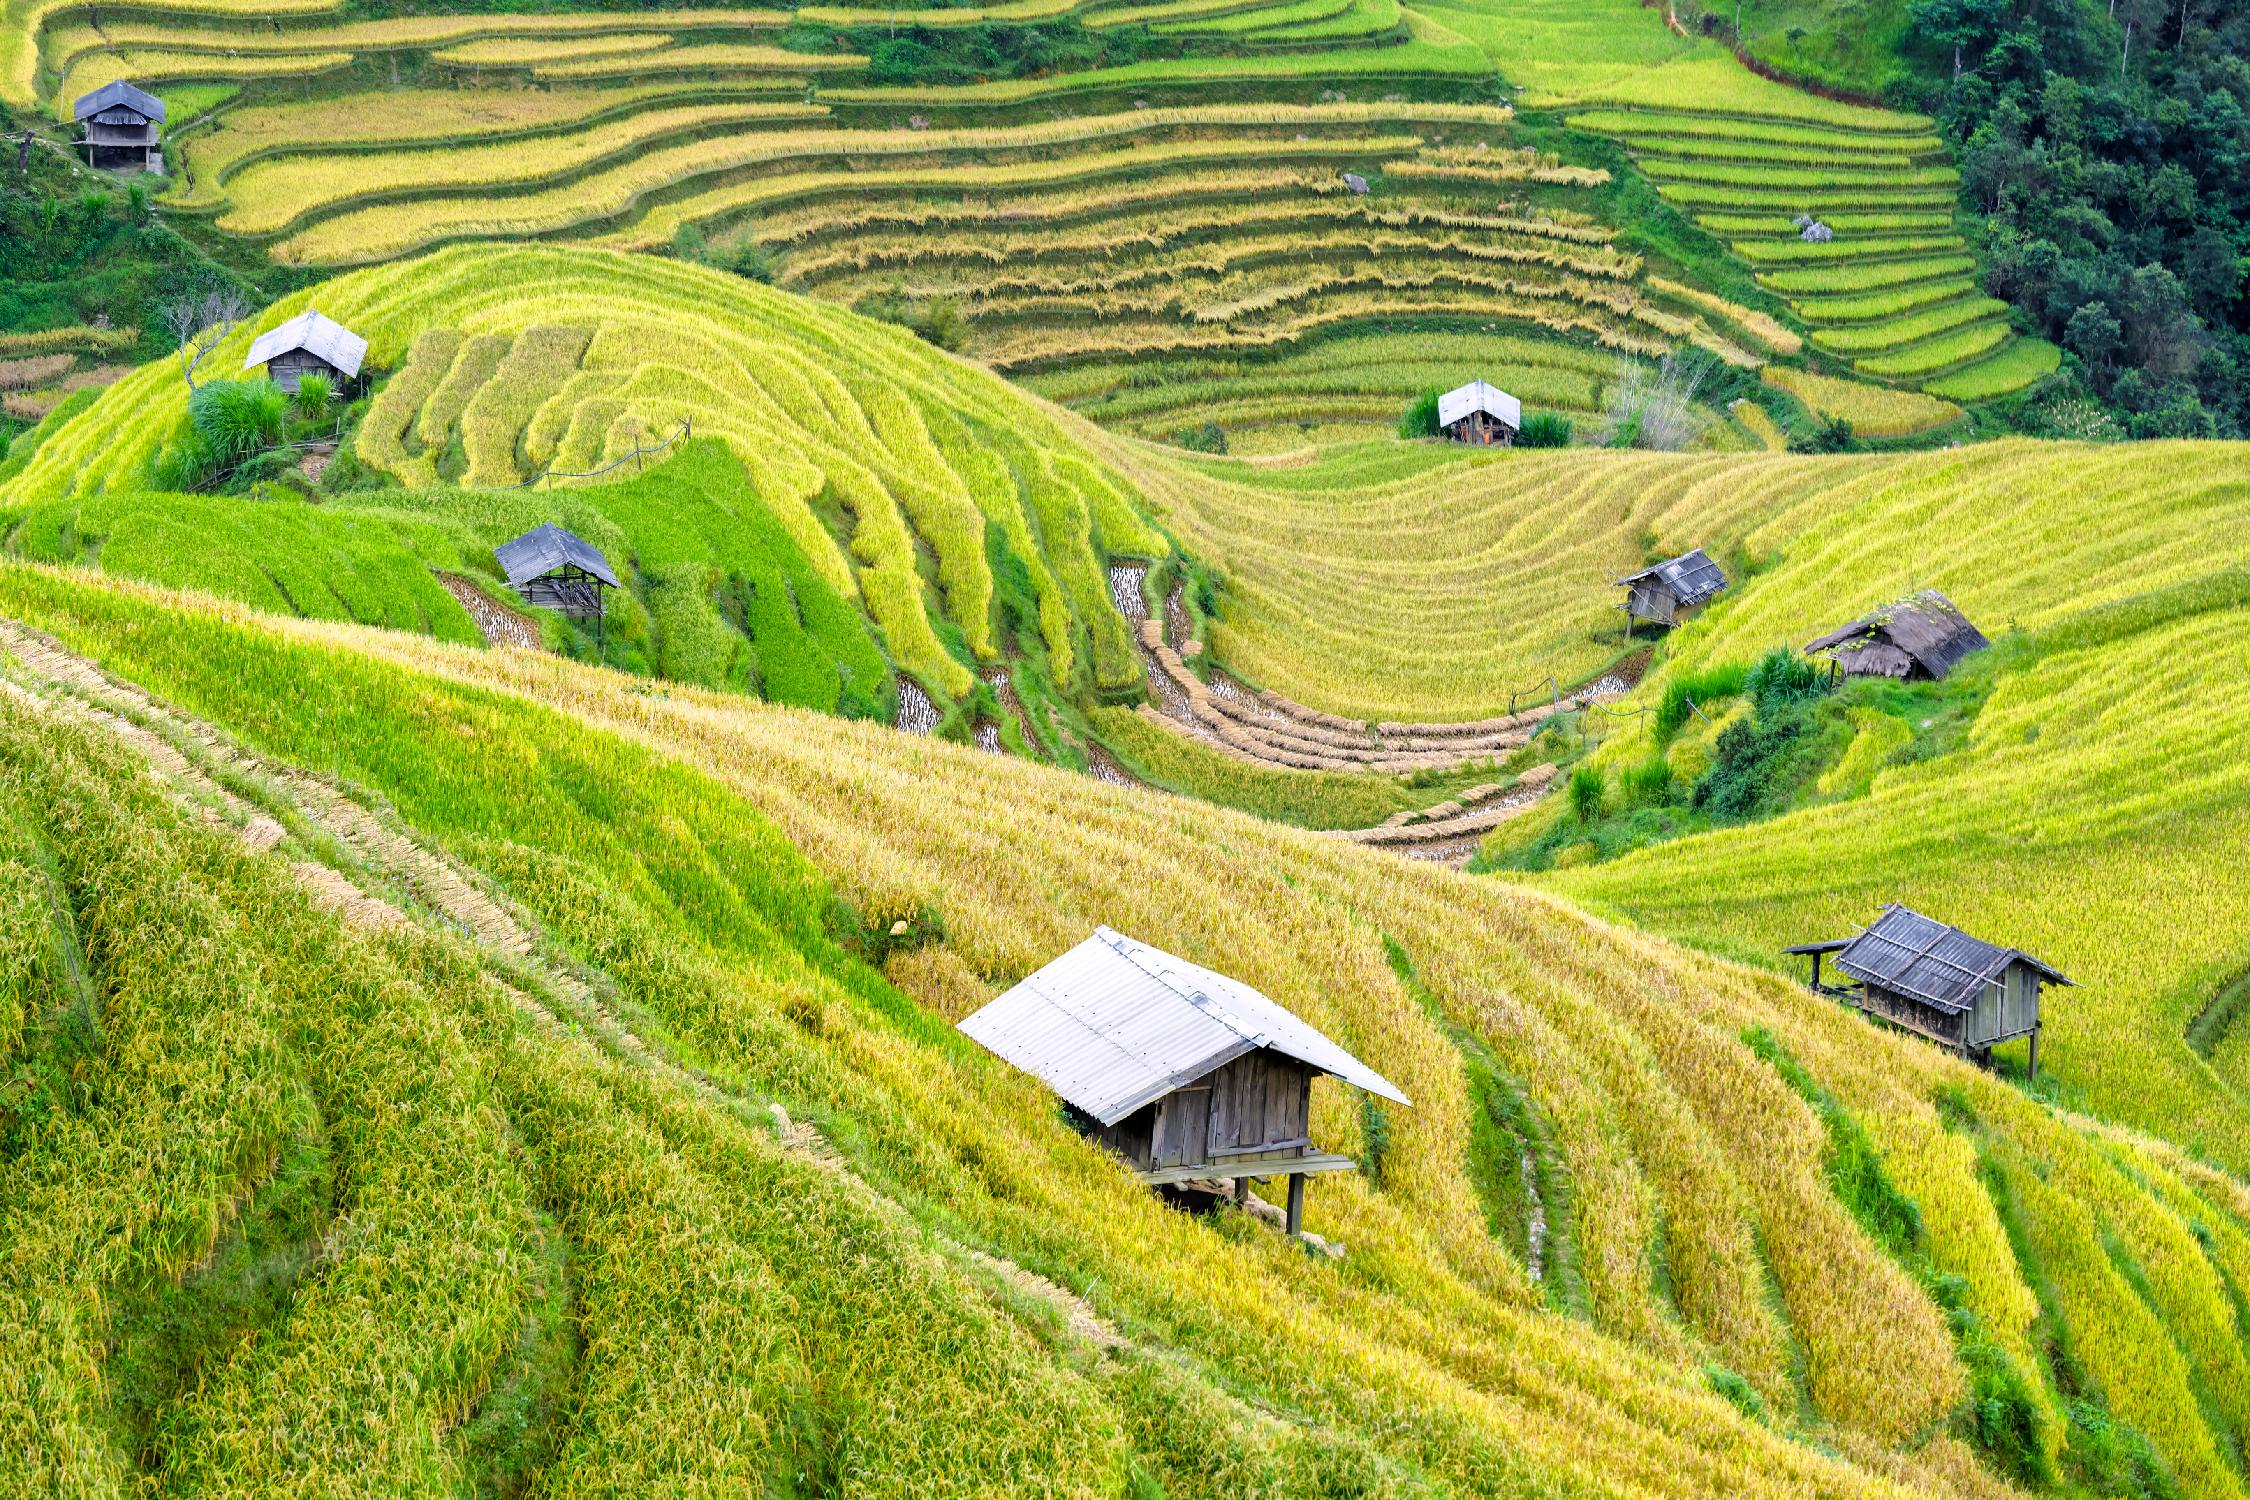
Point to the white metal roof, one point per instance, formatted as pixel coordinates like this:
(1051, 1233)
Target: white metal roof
(1477, 396)
(314, 334)
(1114, 1023)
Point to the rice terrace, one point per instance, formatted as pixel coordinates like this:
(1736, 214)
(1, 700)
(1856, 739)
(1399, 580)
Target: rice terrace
(1125, 748)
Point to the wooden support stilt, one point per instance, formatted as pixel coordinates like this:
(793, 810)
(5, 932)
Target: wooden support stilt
(1296, 1219)
(1242, 1192)
(2034, 1053)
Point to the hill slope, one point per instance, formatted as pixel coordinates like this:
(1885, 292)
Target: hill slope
(618, 1178)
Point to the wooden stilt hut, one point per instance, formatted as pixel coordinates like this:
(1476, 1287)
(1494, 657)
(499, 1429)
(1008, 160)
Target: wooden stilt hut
(1669, 592)
(551, 568)
(118, 126)
(1938, 982)
(1183, 1072)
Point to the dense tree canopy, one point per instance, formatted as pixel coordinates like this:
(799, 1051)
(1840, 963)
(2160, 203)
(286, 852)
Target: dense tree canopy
(2108, 146)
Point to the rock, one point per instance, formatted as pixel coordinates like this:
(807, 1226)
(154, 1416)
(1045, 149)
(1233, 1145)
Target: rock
(898, 928)
(781, 1124)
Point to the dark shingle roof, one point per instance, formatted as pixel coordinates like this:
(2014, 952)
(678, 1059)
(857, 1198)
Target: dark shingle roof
(119, 92)
(1909, 954)
(1924, 628)
(1692, 577)
(544, 549)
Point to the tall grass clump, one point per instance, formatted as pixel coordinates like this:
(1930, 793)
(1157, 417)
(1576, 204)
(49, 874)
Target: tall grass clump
(1687, 692)
(314, 392)
(1544, 429)
(228, 422)
(1653, 406)
(1420, 420)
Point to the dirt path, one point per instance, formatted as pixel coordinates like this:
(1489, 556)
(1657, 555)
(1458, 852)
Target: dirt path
(1270, 730)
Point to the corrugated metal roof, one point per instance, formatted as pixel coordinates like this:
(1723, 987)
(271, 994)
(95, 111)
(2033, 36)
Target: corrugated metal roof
(120, 92)
(545, 548)
(1692, 577)
(1908, 953)
(1115, 1023)
(314, 334)
(1926, 628)
(1477, 396)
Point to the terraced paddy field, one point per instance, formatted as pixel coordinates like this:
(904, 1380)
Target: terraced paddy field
(1352, 385)
(1147, 209)
(623, 1118)
(1891, 297)
(510, 362)
(1494, 572)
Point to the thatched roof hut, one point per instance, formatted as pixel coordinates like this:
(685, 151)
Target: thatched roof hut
(1921, 637)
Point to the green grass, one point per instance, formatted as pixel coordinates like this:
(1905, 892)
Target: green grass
(1938, 354)
(1907, 329)
(2005, 373)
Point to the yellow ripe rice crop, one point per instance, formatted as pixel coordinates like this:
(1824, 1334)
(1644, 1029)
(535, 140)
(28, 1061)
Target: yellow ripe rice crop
(1771, 335)
(97, 70)
(23, 22)
(1872, 411)
(271, 195)
(708, 57)
(408, 117)
(519, 52)
(1668, 1128)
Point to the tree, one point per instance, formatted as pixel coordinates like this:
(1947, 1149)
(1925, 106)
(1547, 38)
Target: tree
(2094, 336)
(1959, 23)
(200, 322)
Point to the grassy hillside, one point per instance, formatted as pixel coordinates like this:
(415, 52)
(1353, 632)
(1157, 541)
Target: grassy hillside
(944, 1285)
(957, 513)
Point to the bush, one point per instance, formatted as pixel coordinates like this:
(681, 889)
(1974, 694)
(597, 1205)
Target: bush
(1420, 420)
(752, 262)
(1781, 678)
(939, 322)
(313, 395)
(1544, 429)
(1209, 438)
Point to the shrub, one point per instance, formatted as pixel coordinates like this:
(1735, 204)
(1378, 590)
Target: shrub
(1544, 429)
(1209, 438)
(1780, 678)
(313, 395)
(1420, 420)
(1686, 693)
